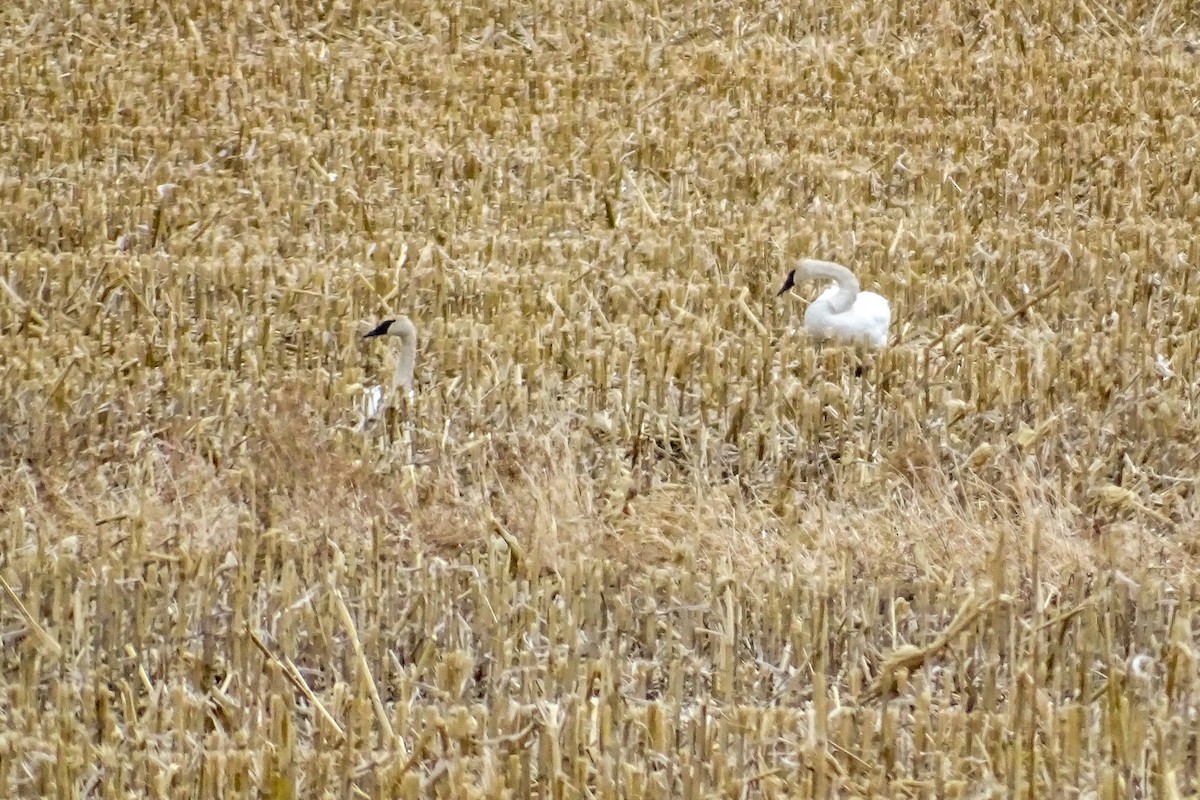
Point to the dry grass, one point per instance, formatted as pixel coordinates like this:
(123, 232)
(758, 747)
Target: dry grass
(637, 537)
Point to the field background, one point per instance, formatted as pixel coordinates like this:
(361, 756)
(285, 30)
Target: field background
(637, 536)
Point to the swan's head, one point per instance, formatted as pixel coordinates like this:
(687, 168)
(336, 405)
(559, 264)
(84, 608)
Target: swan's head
(400, 326)
(812, 269)
(382, 329)
(802, 272)
(789, 283)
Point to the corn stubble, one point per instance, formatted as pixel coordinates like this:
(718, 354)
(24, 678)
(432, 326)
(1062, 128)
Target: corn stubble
(637, 537)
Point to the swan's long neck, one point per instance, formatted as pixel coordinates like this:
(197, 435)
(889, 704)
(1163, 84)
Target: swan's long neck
(402, 376)
(847, 284)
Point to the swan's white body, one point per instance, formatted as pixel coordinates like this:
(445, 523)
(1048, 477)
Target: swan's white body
(372, 401)
(842, 311)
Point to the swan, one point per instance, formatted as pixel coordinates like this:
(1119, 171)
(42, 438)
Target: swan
(842, 311)
(402, 370)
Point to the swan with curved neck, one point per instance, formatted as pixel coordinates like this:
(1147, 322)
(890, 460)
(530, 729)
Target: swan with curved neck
(402, 369)
(402, 328)
(842, 311)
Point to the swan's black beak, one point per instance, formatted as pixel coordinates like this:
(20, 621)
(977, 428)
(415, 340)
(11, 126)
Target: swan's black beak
(789, 283)
(380, 329)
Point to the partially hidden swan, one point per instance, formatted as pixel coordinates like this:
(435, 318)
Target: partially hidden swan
(373, 401)
(842, 311)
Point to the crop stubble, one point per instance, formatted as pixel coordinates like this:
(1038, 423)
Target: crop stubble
(641, 539)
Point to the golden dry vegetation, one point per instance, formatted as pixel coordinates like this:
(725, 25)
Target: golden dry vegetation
(637, 536)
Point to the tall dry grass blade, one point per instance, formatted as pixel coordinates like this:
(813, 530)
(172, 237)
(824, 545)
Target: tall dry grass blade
(43, 636)
(364, 671)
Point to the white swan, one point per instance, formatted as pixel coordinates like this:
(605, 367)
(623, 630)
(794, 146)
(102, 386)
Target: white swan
(842, 311)
(372, 401)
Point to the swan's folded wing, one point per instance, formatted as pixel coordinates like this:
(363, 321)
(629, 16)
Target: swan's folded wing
(371, 401)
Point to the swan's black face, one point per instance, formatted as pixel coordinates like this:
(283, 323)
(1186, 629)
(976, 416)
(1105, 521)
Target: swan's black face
(381, 329)
(789, 283)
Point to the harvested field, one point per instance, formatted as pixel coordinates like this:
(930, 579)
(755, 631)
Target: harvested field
(636, 536)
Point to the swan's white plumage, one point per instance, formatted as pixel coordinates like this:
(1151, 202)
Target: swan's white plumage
(842, 311)
(372, 401)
